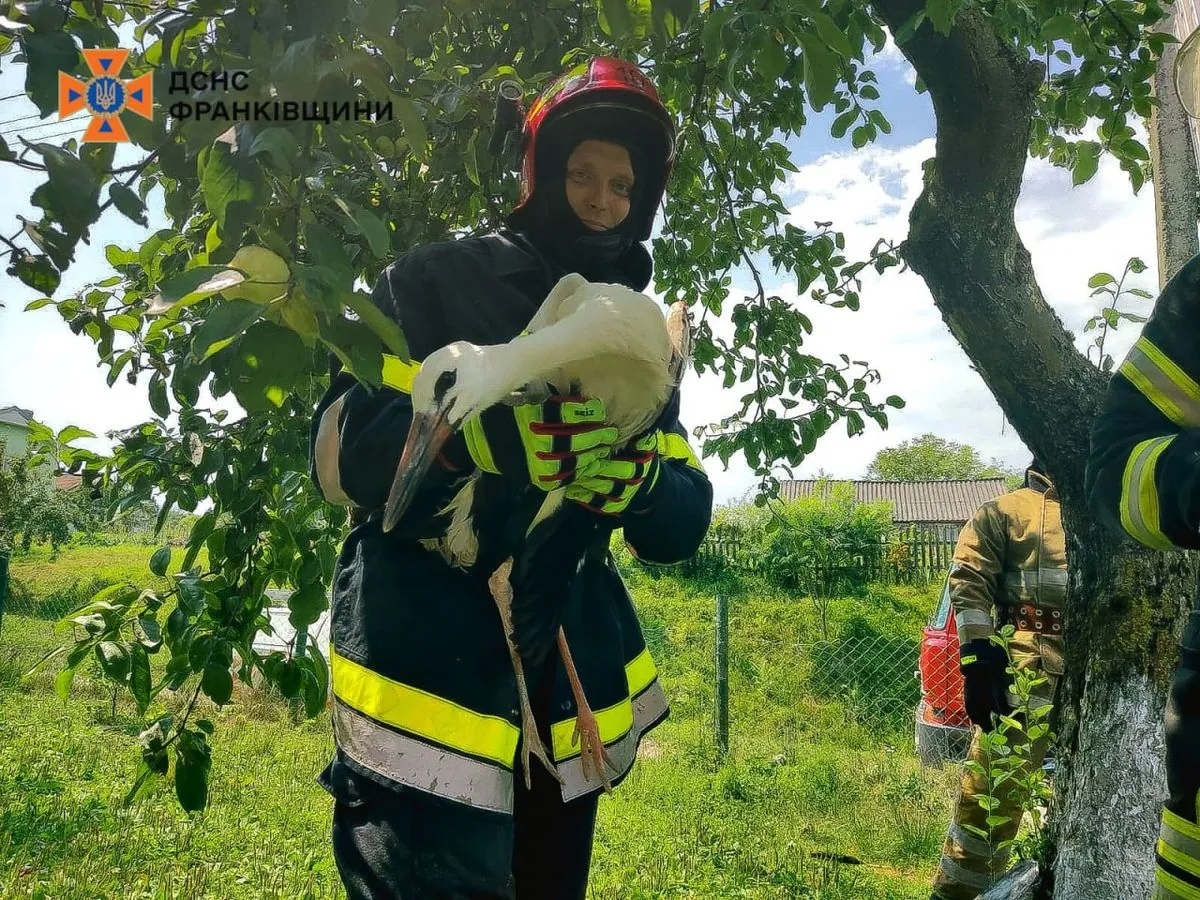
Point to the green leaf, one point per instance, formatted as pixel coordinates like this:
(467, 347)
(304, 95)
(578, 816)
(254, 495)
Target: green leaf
(63, 681)
(193, 761)
(125, 322)
(72, 433)
(149, 635)
(326, 249)
(269, 360)
(71, 195)
(306, 605)
(160, 561)
(114, 659)
(228, 187)
(941, 14)
(1100, 279)
(833, 36)
(376, 232)
(772, 60)
(1059, 27)
(193, 286)
(379, 322)
(713, 35)
(35, 271)
(127, 202)
(46, 54)
(414, 128)
(357, 346)
(843, 122)
(38, 304)
(1136, 265)
(217, 683)
(158, 396)
(280, 146)
(820, 71)
(139, 677)
(225, 323)
(1087, 160)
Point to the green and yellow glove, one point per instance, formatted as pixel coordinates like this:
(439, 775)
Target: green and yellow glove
(615, 480)
(553, 443)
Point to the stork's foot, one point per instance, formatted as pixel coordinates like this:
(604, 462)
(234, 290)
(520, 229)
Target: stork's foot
(531, 741)
(593, 755)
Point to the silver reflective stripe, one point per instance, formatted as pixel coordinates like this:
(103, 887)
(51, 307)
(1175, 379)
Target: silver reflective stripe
(326, 455)
(648, 708)
(1026, 586)
(1174, 401)
(1181, 842)
(419, 765)
(956, 873)
(973, 845)
(974, 617)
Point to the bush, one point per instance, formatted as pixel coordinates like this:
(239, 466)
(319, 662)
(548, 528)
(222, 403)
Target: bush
(825, 545)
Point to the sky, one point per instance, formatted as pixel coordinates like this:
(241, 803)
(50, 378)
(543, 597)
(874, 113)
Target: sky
(1070, 232)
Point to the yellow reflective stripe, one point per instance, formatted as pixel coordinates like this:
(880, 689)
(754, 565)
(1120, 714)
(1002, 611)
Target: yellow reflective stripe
(1179, 823)
(614, 723)
(1174, 888)
(1139, 496)
(640, 672)
(478, 446)
(422, 713)
(1161, 381)
(675, 446)
(398, 374)
(617, 719)
(1179, 858)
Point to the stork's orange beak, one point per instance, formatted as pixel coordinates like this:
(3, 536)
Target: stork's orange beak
(426, 435)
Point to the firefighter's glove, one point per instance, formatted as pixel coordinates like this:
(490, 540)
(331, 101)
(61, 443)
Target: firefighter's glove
(552, 443)
(610, 487)
(985, 681)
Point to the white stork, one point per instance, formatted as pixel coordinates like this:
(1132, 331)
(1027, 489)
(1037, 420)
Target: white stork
(603, 341)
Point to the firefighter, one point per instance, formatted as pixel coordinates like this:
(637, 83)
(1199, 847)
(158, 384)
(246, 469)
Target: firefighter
(426, 721)
(1143, 480)
(1010, 568)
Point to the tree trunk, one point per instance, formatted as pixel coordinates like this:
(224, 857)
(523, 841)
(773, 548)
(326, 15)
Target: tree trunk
(1124, 606)
(1176, 204)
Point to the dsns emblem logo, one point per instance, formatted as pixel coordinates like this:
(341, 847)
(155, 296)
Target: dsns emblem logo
(106, 96)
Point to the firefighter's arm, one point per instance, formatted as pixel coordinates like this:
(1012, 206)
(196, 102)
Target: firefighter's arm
(1143, 471)
(358, 432)
(666, 522)
(975, 574)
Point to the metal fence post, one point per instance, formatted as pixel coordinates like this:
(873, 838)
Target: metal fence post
(722, 676)
(3, 582)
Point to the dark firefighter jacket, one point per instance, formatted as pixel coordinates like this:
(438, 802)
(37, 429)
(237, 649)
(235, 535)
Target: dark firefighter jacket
(1143, 474)
(1142, 479)
(424, 691)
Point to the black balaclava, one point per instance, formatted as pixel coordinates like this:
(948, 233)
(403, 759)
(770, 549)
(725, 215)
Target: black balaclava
(555, 228)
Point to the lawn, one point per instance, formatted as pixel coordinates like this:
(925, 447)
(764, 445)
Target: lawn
(819, 797)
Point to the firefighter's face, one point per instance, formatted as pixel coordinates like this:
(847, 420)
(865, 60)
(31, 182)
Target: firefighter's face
(599, 183)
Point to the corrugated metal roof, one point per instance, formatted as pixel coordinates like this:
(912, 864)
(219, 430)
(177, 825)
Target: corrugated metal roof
(914, 501)
(14, 415)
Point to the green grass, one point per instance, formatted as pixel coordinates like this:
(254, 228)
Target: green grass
(814, 801)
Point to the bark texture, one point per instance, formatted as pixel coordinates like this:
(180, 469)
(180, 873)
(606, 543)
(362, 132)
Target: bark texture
(1125, 606)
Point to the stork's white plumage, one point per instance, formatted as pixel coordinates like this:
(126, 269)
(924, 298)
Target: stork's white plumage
(604, 341)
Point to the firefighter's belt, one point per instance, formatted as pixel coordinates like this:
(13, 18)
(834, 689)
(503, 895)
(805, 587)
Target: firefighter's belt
(1030, 617)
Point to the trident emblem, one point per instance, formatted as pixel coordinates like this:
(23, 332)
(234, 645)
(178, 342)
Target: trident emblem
(105, 95)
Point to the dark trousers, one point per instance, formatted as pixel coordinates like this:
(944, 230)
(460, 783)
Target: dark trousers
(413, 846)
(1183, 726)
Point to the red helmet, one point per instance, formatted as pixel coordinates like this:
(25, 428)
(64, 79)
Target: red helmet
(615, 94)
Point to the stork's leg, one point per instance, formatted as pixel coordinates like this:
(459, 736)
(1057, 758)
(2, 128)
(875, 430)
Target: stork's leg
(592, 753)
(531, 741)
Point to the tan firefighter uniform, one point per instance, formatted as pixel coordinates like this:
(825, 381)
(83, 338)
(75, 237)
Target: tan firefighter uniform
(1010, 567)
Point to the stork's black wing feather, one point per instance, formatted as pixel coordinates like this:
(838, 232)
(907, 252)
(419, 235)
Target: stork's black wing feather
(544, 570)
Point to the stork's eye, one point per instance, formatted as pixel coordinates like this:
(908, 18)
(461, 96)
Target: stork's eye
(444, 382)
